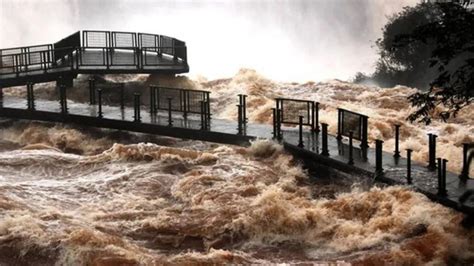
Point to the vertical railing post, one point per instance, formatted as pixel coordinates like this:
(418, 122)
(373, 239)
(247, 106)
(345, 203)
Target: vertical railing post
(440, 174)
(240, 108)
(278, 119)
(243, 104)
(397, 142)
(138, 56)
(181, 102)
(324, 139)
(351, 155)
(340, 122)
(16, 63)
(274, 111)
(30, 96)
(364, 144)
(244, 109)
(92, 91)
(208, 109)
(432, 151)
(465, 165)
(99, 101)
(136, 98)
(300, 124)
(445, 191)
(208, 113)
(152, 100)
(158, 98)
(28, 101)
(203, 116)
(442, 177)
(122, 96)
(170, 115)
(239, 118)
(63, 98)
(108, 56)
(409, 180)
(378, 157)
(279, 132)
(316, 117)
(185, 104)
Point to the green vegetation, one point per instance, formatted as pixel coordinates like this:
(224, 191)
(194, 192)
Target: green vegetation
(431, 47)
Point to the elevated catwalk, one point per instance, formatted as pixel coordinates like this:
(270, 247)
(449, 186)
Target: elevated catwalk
(93, 52)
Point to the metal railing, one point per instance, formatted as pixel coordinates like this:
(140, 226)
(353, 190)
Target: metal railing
(96, 49)
(291, 109)
(39, 60)
(468, 157)
(348, 122)
(182, 100)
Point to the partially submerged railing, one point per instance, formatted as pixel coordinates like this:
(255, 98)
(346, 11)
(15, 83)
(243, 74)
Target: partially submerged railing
(295, 112)
(171, 100)
(352, 124)
(182, 100)
(467, 158)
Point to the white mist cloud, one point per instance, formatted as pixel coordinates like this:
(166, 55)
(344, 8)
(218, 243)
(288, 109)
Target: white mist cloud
(284, 40)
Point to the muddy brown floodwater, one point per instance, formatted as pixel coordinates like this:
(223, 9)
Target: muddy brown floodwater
(71, 196)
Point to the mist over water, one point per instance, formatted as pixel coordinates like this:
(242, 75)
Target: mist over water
(297, 40)
(76, 196)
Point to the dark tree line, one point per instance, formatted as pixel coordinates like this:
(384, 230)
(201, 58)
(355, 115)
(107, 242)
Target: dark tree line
(429, 46)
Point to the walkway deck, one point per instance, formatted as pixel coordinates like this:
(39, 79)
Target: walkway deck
(225, 131)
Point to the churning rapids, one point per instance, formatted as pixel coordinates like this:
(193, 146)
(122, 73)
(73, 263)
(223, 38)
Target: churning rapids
(72, 196)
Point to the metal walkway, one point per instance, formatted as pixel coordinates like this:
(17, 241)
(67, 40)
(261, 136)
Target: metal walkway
(226, 131)
(92, 52)
(186, 113)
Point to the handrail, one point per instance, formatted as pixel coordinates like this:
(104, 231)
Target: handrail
(34, 52)
(288, 99)
(23, 47)
(19, 59)
(174, 88)
(352, 112)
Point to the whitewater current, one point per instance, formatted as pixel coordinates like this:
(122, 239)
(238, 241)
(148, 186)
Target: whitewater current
(76, 196)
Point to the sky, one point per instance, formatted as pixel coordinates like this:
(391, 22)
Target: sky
(293, 40)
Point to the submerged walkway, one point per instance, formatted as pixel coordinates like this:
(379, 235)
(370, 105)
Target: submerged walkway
(109, 52)
(225, 131)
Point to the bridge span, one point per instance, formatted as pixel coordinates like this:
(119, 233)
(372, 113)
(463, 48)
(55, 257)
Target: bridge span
(92, 52)
(186, 114)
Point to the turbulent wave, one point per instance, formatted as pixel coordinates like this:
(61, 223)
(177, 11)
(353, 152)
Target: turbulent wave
(384, 106)
(76, 196)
